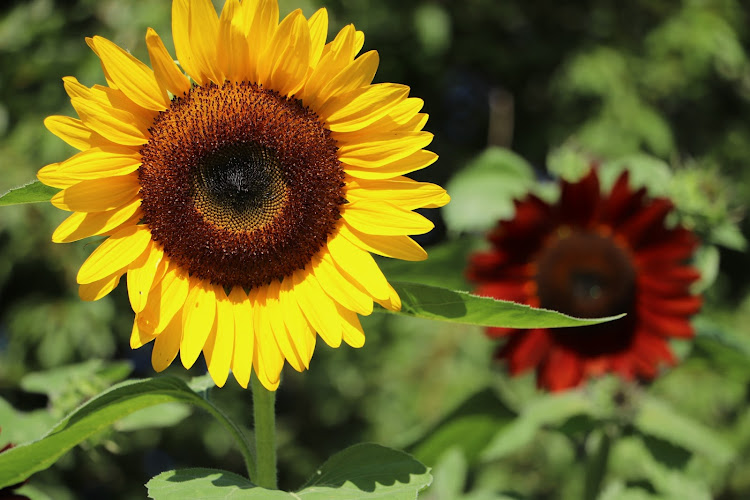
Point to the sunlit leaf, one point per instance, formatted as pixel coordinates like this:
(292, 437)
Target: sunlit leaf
(361, 472)
(34, 192)
(430, 302)
(95, 415)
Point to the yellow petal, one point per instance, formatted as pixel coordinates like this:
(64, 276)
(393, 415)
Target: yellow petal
(165, 300)
(166, 71)
(220, 343)
(338, 287)
(404, 117)
(358, 266)
(318, 308)
(384, 149)
(336, 56)
(198, 318)
(269, 360)
(363, 106)
(264, 22)
(181, 34)
(115, 253)
(90, 164)
(318, 24)
(139, 338)
(275, 315)
(131, 76)
(299, 329)
(353, 333)
(401, 191)
(98, 195)
(232, 44)
(358, 74)
(392, 302)
(383, 218)
(142, 274)
(167, 344)
(116, 125)
(73, 131)
(84, 224)
(374, 170)
(396, 247)
(284, 66)
(244, 336)
(98, 289)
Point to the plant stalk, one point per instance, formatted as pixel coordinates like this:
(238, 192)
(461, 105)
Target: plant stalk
(264, 414)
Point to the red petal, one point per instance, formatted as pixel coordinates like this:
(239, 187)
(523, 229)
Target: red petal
(666, 326)
(622, 201)
(561, 370)
(686, 305)
(526, 350)
(579, 202)
(649, 219)
(675, 246)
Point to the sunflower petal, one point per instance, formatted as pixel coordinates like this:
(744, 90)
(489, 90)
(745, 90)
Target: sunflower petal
(363, 106)
(115, 254)
(353, 334)
(198, 318)
(131, 76)
(98, 289)
(397, 247)
(220, 344)
(358, 74)
(165, 300)
(275, 316)
(90, 164)
(232, 45)
(299, 329)
(381, 150)
(74, 132)
(264, 22)
(81, 225)
(142, 274)
(358, 266)
(244, 336)
(318, 308)
(386, 170)
(338, 287)
(166, 71)
(318, 24)
(383, 218)
(139, 338)
(401, 191)
(98, 195)
(114, 124)
(286, 61)
(167, 344)
(268, 360)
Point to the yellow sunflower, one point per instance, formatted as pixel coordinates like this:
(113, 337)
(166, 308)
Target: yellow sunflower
(244, 196)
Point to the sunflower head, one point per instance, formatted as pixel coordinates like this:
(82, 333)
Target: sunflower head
(592, 255)
(243, 191)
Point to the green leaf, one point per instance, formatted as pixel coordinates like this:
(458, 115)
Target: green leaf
(430, 302)
(208, 484)
(658, 420)
(96, 415)
(33, 192)
(483, 192)
(363, 471)
(547, 410)
(467, 429)
(367, 471)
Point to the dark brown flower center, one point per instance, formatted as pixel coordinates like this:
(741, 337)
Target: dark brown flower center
(240, 185)
(588, 275)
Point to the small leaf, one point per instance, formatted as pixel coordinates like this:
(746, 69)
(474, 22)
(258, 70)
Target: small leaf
(33, 192)
(97, 414)
(367, 471)
(430, 302)
(467, 429)
(657, 419)
(547, 410)
(482, 193)
(208, 484)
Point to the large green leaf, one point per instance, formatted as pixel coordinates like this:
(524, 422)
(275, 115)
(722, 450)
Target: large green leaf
(655, 418)
(33, 192)
(98, 414)
(431, 302)
(363, 471)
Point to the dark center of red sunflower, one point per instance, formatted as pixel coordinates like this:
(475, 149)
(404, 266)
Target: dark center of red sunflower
(240, 185)
(587, 275)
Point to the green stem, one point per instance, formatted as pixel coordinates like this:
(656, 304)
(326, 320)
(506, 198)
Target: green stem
(265, 434)
(597, 458)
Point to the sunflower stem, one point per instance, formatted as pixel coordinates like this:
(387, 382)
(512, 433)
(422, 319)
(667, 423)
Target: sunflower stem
(264, 415)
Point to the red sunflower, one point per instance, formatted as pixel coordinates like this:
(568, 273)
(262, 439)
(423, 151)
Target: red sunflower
(592, 255)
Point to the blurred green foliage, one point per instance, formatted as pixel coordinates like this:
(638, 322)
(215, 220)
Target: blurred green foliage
(661, 87)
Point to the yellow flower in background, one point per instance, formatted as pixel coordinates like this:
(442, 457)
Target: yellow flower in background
(243, 206)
